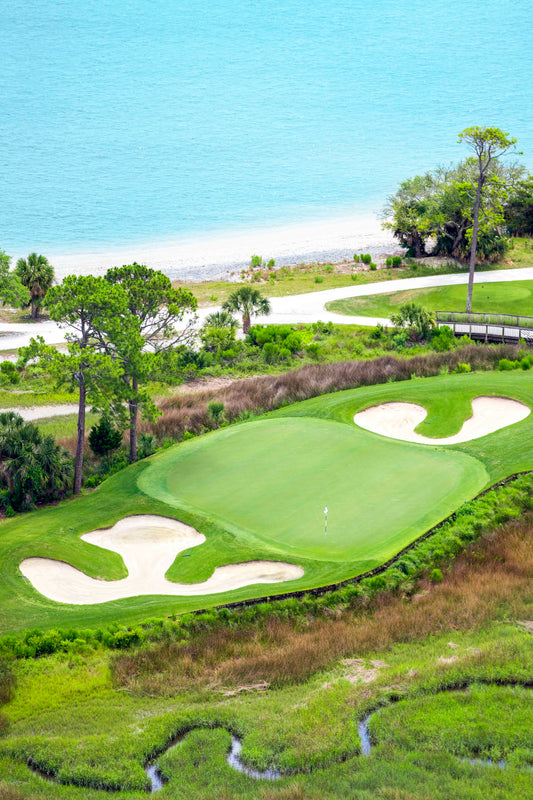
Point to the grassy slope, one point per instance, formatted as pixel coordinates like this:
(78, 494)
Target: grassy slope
(54, 532)
(515, 297)
(301, 279)
(69, 717)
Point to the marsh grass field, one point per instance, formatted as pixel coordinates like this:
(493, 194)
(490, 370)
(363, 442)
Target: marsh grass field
(447, 670)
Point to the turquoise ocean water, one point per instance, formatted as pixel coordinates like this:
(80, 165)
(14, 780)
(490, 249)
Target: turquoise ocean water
(148, 120)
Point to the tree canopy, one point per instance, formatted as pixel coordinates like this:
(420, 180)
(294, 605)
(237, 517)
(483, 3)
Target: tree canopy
(155, 309)
(33, 468)
(86, 306)
(488, 145)
(433, 214)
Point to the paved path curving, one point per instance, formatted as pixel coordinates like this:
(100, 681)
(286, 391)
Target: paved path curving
(303, 308)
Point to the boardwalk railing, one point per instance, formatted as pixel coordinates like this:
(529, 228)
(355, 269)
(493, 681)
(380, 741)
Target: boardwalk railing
(487, 327)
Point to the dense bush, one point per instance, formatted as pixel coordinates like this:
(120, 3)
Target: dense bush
(416, 319)
(33, 467)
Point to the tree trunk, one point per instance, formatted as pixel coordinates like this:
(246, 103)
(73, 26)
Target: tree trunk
(34, 309)
(80, 443)
(473, 246)
(134, 408)
(245, 323)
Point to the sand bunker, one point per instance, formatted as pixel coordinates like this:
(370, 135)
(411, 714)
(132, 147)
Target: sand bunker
(148, 545)
(398, 420)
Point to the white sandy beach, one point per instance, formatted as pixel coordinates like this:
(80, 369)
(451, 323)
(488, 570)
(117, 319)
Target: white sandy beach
(211, 255)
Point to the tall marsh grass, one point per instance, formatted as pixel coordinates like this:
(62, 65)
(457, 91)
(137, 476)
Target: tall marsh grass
(492, 580)
(189, 411)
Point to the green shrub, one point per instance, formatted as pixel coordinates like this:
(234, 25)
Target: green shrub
(292, 342)
(388, 262)
(443, 339)
(462, 368)
(356, 258)
(313, 350)
(94, 480)
(215, 412)
(435, 575)
(256, 261)
(396, 261)
(366, 258)
(415, 318)
(319, 279)
(505, 364)
(399, 340)
(373, 266)
(270, 352)
(353, 276)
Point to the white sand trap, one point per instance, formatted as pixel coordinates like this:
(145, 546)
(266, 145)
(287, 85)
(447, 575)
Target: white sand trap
(148, 545)
(399, 420)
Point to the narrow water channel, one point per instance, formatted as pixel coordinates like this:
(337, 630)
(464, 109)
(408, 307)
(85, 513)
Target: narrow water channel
(233, 758)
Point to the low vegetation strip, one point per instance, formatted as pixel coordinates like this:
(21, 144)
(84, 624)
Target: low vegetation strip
(421, 642)
(187, 412)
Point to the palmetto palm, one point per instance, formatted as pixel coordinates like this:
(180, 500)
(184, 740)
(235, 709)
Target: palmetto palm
(221, 319)
(37, 275)
(247, 301)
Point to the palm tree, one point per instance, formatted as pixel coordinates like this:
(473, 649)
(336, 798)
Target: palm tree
(221, 319)
(37, 275)
(247, 301)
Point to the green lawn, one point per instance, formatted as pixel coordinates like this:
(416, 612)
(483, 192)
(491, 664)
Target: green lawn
(513, 297)
(270, 481)
(258, 490)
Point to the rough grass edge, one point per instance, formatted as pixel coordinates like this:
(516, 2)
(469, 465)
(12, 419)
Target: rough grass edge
(425, 557)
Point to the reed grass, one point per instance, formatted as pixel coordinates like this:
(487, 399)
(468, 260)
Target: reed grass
(189, 412)
(490, 581)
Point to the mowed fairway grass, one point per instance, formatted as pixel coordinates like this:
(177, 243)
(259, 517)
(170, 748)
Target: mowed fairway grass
(257, 490)
(511, 297)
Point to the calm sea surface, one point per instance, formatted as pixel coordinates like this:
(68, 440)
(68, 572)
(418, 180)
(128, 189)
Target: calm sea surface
(148, 120)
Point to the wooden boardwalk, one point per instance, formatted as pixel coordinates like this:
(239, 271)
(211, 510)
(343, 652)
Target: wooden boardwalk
(506, 328)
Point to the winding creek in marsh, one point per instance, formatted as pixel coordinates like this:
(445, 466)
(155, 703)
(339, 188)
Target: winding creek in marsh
(157, 780)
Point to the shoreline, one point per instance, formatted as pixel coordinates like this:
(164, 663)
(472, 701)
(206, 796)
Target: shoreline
(218, 254)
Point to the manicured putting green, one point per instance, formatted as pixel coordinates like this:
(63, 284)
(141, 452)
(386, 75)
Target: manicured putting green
(270, 480)
(506, 297)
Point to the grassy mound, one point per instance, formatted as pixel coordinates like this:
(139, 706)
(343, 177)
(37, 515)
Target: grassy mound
(258, 490)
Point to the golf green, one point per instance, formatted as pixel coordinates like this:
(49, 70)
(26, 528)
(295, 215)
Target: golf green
(270, 480)
(257, 491)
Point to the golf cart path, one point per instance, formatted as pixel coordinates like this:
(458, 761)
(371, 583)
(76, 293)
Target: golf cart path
(304, 308)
